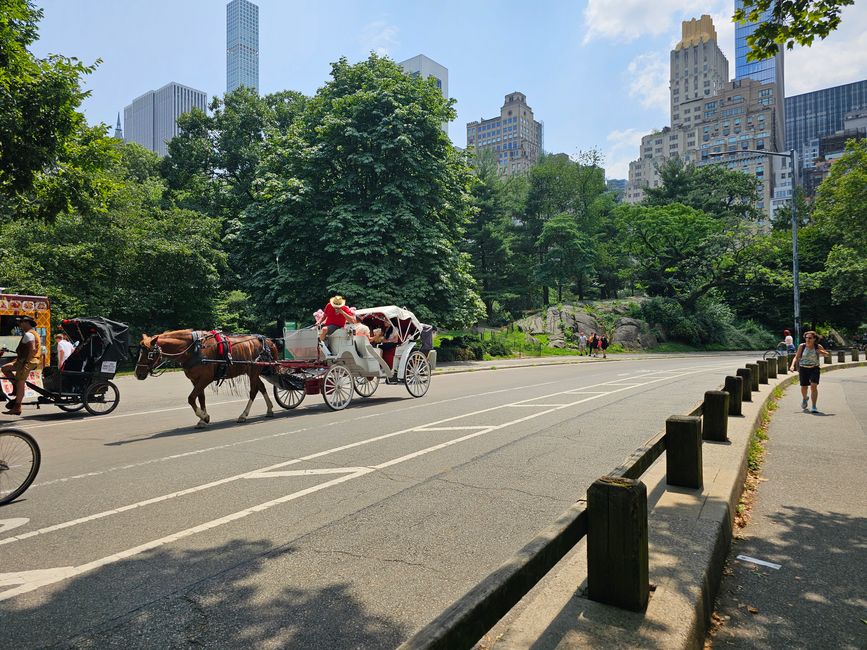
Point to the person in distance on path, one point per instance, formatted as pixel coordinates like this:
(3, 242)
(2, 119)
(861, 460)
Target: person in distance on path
(807, 362)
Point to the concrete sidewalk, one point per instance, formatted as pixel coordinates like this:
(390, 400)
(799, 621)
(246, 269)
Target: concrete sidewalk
(810, 518)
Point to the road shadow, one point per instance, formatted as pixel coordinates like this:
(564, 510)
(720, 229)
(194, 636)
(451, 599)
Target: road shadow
(815, 599)
(181, 598)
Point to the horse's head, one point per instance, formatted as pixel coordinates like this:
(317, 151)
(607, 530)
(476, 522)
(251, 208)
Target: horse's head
(149, 356)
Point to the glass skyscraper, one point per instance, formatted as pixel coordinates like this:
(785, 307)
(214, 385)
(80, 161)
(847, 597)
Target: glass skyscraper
(766, 71)
(242, 45)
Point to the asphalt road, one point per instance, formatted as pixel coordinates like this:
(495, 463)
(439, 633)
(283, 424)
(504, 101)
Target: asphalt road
(314, 528)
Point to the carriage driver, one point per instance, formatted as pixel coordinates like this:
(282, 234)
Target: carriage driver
(29, 355)
(335, 315)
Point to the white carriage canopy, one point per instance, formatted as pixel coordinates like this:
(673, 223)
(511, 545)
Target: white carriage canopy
(405, 324)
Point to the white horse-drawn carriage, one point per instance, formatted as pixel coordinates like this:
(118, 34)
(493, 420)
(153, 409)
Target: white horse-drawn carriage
(349, 363)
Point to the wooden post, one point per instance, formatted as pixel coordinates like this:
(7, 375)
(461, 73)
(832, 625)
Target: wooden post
(841, 356)
(754, 377)
(854, 354)
(683, 451)
(747, 376)
(829, 359)
(772, 368)
(763, 370)
(715, 416)
(734, 386)
(617, 560)
(783, 364)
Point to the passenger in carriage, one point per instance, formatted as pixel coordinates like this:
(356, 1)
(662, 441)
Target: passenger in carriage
(334, 317)
(387, 342)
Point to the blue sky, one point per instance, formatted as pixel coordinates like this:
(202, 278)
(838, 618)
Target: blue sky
(595, 71)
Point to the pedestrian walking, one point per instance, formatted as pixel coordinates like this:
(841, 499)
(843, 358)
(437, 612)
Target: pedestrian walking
(599, 349)
(788, 341)
(604, 345)
(591, 344)
(807, 362)
(582, 343)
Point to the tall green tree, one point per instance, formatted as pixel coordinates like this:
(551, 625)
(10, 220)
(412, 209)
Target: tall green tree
(367, 197)
(39, 98)
(567, 253)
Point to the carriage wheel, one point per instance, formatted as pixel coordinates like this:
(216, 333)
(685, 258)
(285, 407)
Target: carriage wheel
(417, 377)
(337, 387)
(69, 407)
(288, 398)
(101, 398)
(366, 386)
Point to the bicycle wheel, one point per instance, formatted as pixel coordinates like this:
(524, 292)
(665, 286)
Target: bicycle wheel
(771, 354)
(19, 463)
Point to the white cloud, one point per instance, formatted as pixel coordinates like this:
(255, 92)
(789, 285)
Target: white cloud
(380, 37)
(626, 20)
(622, 147)
(839, 59)
(649, 79)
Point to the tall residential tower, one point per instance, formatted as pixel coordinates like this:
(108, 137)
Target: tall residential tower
(514, 136)
(426, 68)
(242, 45)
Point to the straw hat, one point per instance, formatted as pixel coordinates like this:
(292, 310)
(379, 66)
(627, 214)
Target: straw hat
(337, 301)
(27, 319)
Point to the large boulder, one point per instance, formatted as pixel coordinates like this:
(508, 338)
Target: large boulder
(627, 333)
(532, 325)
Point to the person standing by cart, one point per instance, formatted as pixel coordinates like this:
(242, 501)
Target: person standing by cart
(28, 357)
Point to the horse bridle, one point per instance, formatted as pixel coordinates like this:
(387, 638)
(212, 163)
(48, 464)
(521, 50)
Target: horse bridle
(154, 356)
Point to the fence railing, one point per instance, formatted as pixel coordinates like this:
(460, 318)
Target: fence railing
(613, 517)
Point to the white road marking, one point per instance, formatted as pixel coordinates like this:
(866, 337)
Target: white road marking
(45, 577)
(308, 472)
(752, 560)
(451, 428)
(276, 435)
(9, 524)
(531, 405)
(103, 418)
(198, 488)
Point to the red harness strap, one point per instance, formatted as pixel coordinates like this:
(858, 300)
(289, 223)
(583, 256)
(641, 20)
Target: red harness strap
(224, 345)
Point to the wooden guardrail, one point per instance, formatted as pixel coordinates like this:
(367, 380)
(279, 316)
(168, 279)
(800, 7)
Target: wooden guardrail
(615, 516)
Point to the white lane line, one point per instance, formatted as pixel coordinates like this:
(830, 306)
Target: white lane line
(50, 576)
(581, 391)
(103, 418)
(307, 472)
(9, 524)
(278, 435)
(451, 428)
(320, 454)
(533, 405)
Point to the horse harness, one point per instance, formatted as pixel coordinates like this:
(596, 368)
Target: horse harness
(196, 357)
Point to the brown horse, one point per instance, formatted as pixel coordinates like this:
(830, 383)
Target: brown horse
(190, 348)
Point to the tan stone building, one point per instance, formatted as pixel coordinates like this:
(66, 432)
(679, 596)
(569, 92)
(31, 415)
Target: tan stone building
(713, 120)
(515, 137)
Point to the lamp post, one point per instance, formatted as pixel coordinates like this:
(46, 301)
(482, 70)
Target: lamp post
(796, 283)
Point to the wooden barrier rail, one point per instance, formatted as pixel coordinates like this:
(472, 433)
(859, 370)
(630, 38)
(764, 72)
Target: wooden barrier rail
(614, 520)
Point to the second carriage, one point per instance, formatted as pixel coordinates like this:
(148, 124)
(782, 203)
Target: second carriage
(349, 364)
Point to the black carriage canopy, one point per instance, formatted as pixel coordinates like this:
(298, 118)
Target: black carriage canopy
(98, 338)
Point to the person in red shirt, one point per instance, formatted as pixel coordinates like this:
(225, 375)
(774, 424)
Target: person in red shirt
(335, 316)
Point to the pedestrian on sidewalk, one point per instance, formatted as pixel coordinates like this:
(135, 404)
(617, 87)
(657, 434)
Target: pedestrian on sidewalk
(807, 362)
(603, 344)
(591, 344)
(582, 343)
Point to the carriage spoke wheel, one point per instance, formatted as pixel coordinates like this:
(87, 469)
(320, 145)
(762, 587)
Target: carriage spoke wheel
(288, 398)
(366, 386)
(19, 463)
(101, 398)
(337, 387)
(417, 376)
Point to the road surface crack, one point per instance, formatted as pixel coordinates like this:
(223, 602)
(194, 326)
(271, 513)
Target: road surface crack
(486, 488)
(390, 560)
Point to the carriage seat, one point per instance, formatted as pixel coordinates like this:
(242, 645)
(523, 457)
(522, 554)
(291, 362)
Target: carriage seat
(339, 342)
(367, 351)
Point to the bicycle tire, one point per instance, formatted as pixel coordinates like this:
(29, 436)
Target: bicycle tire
(771, 354)
(14, 455)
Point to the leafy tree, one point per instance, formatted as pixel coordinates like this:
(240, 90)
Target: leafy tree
(714, 189)
(680, 252)
(840, 214)
(364, 196)
(792, 21)
(38, 102)
(488, 239)
(567, 253)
